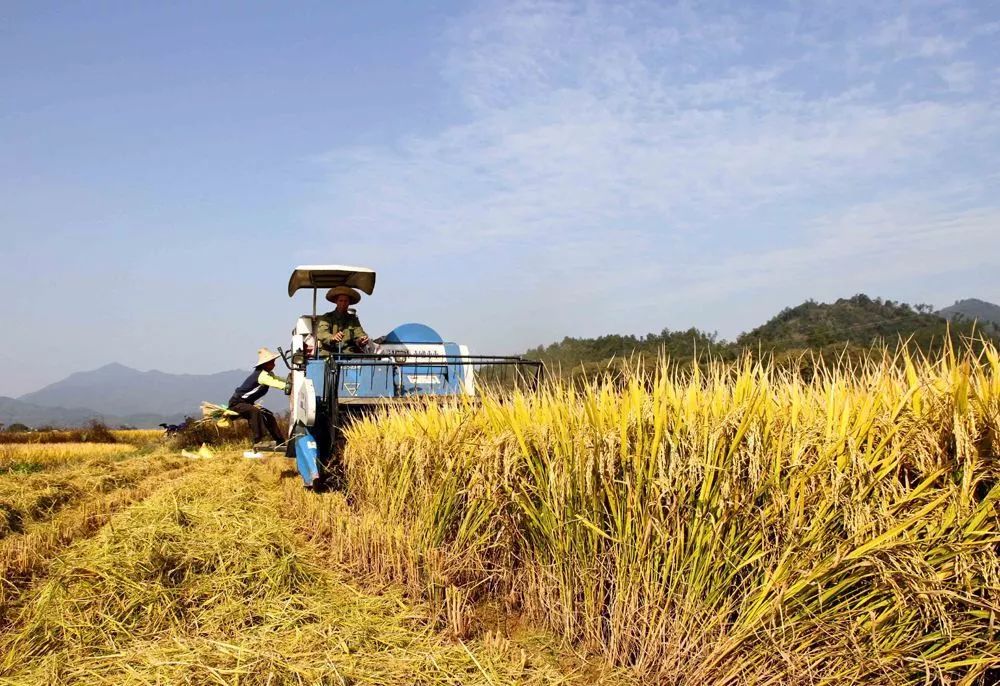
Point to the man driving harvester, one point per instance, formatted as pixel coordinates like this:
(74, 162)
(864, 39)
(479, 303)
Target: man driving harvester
(253, 389)
(341, 329)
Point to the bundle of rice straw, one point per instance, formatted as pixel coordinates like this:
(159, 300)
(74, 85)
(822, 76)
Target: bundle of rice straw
(220, 414)
(204, 453)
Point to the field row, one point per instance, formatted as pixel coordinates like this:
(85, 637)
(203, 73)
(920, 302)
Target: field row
(206, 578)
(26, 500)
(21, 459)
(96, 434)
(67, 516)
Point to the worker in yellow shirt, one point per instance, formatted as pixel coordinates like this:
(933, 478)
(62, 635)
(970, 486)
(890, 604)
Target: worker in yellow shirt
(253, 389)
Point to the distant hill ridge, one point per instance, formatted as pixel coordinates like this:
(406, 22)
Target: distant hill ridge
(121, 395)
(14, 411)
(855, 323)
(859, 320)
(973, 309)
(115, 389)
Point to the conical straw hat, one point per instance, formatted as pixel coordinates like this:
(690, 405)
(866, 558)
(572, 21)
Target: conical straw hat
(332, 294)
(264, 356)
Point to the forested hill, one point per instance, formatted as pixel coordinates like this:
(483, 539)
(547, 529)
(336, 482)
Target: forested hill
(859, 321)
(854, 323)
(573, 352)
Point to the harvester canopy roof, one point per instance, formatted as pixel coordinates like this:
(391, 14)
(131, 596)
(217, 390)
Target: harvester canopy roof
(331, 275)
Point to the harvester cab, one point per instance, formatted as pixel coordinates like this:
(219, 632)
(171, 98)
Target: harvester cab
(412, 363)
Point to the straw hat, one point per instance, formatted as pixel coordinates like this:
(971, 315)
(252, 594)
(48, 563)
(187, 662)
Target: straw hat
(264, 356)
(332, 294)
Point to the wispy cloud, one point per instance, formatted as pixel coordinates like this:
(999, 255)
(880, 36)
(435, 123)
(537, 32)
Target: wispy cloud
(896, 238)
(685, 150)
(959, 76)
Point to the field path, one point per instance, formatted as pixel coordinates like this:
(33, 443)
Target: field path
(209, 580)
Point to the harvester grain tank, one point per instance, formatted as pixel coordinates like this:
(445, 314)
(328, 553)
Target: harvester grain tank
(412, 363)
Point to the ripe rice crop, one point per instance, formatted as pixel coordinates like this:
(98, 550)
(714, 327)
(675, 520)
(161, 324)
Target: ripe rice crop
(140, 437)
(94, 432)
(98, 434)
(24, 458)
(735, 525)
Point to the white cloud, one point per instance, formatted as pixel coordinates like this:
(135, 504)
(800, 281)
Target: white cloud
(958, 76)
(898, 35)
(633, 146)
(898, 238)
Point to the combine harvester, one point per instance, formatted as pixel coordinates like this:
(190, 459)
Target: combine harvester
(410, 364)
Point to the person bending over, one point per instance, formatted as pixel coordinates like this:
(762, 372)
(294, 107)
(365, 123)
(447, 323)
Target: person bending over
(246, 395)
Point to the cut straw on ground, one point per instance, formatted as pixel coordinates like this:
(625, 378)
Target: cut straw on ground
(206, 582)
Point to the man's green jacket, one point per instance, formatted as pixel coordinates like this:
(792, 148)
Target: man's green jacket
(332, 323)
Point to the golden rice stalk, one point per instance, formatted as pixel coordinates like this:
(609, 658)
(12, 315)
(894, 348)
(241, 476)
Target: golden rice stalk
(737, 523)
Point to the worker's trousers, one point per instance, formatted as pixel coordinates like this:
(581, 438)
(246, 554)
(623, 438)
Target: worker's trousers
(260, 420)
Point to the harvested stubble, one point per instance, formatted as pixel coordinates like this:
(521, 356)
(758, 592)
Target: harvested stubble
(205, 582)
(738, 526)
(25, 556)
(36, 497)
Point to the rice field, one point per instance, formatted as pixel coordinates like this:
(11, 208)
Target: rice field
(96, 433)
(740, 525)
(126, 565)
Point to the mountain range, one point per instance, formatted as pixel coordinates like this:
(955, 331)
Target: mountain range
(120, 395)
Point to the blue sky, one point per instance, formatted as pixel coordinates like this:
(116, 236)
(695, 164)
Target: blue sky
(515, 171)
